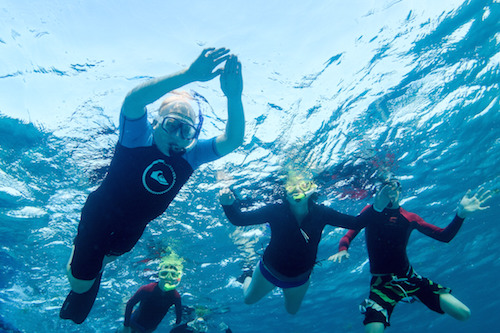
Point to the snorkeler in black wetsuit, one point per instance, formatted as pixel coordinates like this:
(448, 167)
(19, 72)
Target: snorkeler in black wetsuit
(387, 230)
(296, 228)
(150, 165)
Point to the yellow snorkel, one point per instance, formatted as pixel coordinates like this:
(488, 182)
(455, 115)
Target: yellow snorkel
(299, 188)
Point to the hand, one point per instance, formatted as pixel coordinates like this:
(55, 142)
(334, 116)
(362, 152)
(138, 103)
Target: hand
(231, 80)
(382, 198)
(470, 204)
(339, 255)
(202, 69)
(226, 197)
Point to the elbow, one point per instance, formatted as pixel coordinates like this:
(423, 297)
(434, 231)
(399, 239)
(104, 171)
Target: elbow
(238, 142)
(446, 240)
(228, 144)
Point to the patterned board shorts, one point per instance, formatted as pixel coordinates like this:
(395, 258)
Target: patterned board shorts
(387, 290)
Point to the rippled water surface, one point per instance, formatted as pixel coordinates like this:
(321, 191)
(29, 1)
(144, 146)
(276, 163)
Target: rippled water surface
(345, 89)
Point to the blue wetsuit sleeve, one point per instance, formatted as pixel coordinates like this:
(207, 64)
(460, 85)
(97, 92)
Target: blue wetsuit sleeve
(203, 152)
(135, 133)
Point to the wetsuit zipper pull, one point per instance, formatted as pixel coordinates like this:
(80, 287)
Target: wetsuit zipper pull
(306, 237)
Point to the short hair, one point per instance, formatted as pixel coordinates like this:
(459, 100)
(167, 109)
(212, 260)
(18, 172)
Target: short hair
(178, 102)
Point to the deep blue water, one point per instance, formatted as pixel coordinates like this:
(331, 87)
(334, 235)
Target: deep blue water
(344, 90)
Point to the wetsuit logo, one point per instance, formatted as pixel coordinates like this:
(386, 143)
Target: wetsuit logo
(159, 177)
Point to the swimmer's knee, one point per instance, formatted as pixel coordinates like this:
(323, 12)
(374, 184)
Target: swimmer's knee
(463, 314)
(249, 300)
(452, 306)
(374, 327)
(467, 315)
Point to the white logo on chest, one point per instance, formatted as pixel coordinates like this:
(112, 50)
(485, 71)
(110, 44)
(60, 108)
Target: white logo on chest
(159, 177)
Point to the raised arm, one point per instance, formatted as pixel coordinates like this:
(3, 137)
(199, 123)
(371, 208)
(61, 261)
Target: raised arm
(239, 218)
(202, 69)
(232, 85)
(468, 204)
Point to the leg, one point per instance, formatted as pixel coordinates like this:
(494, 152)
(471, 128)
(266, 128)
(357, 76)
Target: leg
(84, 275)
(452, 306)
(294, 297)
(379, 305)
(374, 328)
(79, 286)
(256, 287)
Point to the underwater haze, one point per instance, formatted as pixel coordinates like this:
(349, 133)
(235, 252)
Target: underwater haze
(345, 89)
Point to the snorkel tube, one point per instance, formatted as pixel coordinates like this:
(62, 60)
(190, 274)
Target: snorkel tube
(299, 188)
(198, 130)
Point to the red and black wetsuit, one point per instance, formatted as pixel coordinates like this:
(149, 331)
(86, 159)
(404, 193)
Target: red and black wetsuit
(293, 248)
(154, 305)
(387, 235)
(393, 279)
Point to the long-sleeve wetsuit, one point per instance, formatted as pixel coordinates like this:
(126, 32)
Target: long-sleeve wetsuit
(387, 235)
(293, 248)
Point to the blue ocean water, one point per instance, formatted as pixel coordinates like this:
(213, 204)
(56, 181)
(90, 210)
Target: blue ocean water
(347, 89)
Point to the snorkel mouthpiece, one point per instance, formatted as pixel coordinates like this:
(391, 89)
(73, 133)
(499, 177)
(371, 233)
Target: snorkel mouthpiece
(299, 188)
(167, 286)
(299, 196)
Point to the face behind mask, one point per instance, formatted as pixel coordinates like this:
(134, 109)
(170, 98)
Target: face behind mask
(170, 276)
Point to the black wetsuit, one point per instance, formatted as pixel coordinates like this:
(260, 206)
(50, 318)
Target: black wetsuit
(140, 184)
(292, 249)
(154, 305)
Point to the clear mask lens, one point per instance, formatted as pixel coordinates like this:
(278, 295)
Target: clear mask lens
(172, 125)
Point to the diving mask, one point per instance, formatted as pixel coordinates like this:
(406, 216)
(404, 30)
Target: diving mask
(170, 277)
(394, 184)
(301, 189)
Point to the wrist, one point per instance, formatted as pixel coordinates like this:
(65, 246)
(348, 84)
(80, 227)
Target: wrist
(189, 75)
